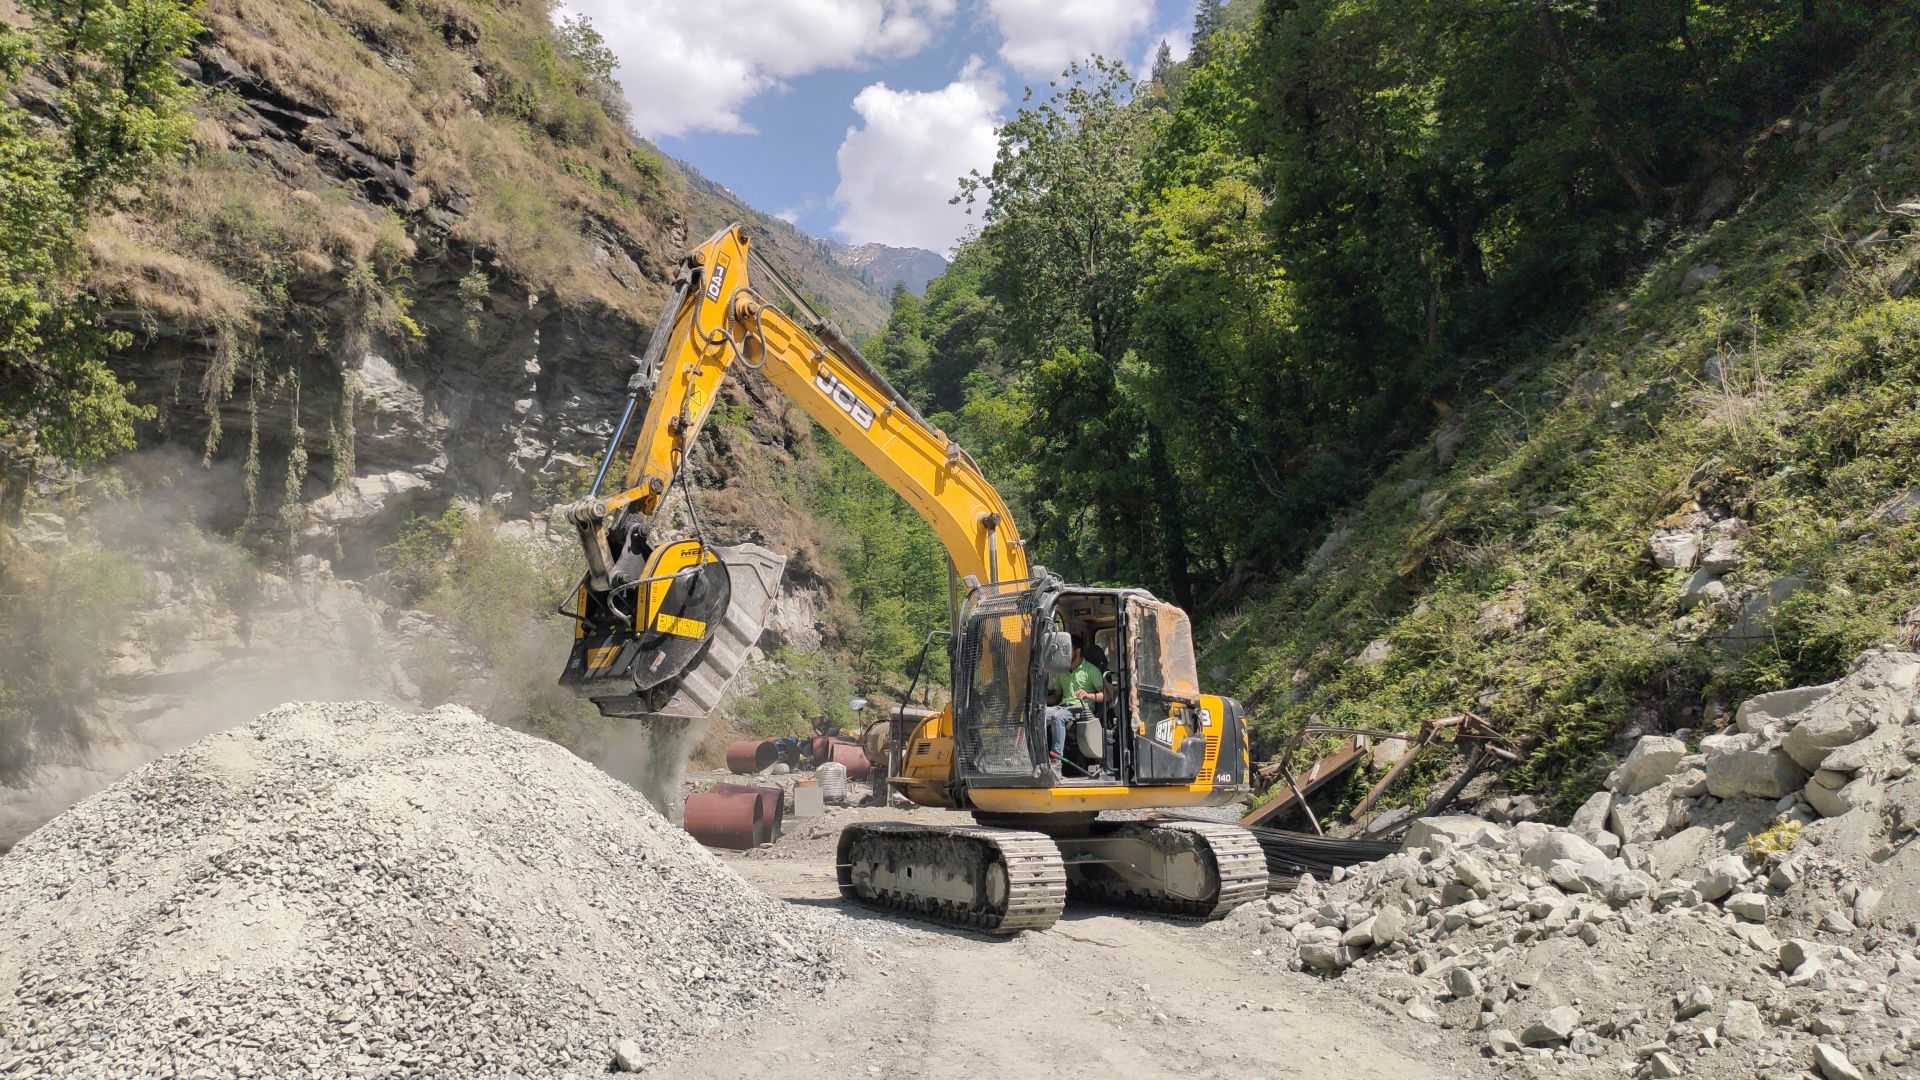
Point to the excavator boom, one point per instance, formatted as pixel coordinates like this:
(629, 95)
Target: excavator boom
(662, 628)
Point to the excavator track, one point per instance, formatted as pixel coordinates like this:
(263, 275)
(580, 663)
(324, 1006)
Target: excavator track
(1219, 866)
(997, 881)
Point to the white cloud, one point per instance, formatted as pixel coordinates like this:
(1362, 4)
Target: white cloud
(901, 166)
(691, 65)
(1041, 37)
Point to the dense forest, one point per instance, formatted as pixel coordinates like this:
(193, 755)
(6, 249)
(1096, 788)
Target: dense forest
(1206, 312)
(1202, 310)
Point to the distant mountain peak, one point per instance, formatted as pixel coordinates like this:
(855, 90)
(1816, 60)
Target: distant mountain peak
(885, 266)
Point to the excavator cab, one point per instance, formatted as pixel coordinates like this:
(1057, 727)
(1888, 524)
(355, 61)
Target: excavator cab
(1153, 729)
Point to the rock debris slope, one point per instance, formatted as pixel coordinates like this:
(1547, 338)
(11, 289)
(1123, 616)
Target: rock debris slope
(1747, 909)
(349, 889)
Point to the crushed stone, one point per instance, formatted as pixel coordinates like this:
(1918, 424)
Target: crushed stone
(1691, 953)
(348, 889)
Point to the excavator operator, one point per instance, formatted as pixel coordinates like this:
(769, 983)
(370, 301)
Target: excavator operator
(1072, 690)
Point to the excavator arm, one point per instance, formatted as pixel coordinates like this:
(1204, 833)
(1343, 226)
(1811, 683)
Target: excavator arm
(661, 627)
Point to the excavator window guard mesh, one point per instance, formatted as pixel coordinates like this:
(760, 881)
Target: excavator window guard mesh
(995, 738)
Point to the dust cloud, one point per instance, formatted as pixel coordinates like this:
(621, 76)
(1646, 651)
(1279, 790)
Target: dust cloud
(135, 626)
(132, 627)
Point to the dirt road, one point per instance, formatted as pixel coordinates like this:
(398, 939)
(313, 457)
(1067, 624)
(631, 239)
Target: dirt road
(1100, 995)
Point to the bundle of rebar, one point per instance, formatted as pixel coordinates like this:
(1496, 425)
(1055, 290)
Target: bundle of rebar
(1291, 854)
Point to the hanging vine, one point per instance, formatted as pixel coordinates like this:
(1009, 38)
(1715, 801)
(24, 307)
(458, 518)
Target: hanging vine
(340, 435)
(250, 472)
(216, 384)
(292, 510)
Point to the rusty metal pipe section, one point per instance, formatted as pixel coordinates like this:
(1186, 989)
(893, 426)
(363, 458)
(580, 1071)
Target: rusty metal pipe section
(734, 820)
(773, 803)
(853, 757)
(751, 756)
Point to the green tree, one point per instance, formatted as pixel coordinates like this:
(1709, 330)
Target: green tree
(900, 349)
(117, 113)
(1162, 63)
(1061, 207)
(1209, 18)
(1058, 204)
(583, 43)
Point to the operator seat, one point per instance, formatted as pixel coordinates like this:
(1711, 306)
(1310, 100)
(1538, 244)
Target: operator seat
(1089, 734)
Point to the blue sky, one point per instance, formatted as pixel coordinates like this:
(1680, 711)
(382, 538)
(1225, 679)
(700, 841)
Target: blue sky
(853, 118)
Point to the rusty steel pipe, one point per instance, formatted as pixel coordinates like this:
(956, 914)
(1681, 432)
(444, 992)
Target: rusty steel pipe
(726, 819)
(751, 756)
(853, 757)
(773, 803)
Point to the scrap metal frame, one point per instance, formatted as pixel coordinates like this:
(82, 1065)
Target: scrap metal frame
(1488, 745)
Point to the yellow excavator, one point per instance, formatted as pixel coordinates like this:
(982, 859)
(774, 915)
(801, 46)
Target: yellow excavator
(663, 623)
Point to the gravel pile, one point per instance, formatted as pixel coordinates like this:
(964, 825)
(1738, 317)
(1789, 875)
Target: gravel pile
(1709, 915)
(352, 890)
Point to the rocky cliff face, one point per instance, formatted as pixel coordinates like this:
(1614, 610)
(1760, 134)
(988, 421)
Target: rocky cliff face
(407, 265)
(448, 308)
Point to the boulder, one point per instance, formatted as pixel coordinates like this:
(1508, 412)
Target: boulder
(1321, 951)
(1749, 767)
(1672, 856)
(1698, 277)
(1722, 556)
(1458, 829)
(1554, 1026)
(1651, 761)
(1501, 617)
(1833, 1064)
(1741, 1023)
(1751, 906)
(1525, 834)
(1674, 549)
(1360, 936)
(1592, 815)
(1881, 748)
(1648, 816)
(1560, 846)
(1565, 875)
(1723, 875)
(1692, 1003)
(1389, 927)
(1820, 734)
(1757, 710)
(1462, 983)
(1831, 803)
(1690, 782)
(1377, 652)
(1615, 882)
(1754, 625)
(1704, 587)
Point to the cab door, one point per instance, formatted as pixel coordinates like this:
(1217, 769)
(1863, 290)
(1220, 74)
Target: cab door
(995, 718)
(1170, 729)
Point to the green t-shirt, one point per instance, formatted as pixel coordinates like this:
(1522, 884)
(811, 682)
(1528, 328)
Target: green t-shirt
(1085, 677)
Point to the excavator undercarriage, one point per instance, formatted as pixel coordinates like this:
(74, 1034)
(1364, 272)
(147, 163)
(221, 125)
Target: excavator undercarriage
(1003, 878)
